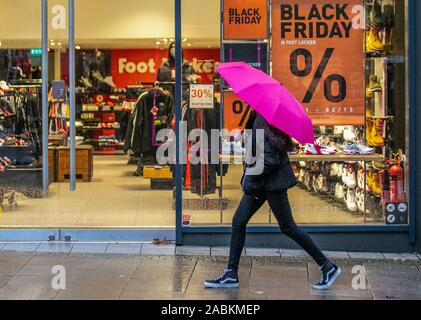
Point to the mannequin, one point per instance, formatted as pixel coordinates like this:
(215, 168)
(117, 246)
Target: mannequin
(166, 72)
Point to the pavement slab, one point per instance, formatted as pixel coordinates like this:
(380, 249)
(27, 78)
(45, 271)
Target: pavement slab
(170, 277)
(28, 288)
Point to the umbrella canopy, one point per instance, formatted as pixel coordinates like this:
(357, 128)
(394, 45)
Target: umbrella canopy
(270, 99)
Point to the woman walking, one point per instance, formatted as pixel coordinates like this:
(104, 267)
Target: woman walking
(272, 186)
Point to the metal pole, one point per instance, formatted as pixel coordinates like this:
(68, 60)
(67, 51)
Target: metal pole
(178, 101)
(45, 179)
(411, 67)
(72, 94)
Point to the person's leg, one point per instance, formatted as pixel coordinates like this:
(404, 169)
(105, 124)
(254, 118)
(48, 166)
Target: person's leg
(279, 203)
(249, 205)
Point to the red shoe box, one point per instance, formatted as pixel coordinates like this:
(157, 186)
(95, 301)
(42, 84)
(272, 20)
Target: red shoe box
(108, 117)
(103, 132)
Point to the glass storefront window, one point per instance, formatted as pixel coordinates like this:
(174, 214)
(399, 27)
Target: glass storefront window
(346, 64)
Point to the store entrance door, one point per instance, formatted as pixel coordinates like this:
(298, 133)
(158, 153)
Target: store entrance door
(98, 111)
(117, 108)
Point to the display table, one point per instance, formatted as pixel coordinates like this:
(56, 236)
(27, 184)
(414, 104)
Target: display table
(84, 163)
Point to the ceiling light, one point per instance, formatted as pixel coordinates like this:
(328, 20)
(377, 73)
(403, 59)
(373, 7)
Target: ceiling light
(1, 43)
(189, 44)
(59, 43)
(185, 39)
(53, 44)
(172, 40)
(158, 43)
(77, 47)
(165, 40)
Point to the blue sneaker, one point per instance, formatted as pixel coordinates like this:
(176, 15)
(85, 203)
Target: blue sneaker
(328, 278)
(229, 279)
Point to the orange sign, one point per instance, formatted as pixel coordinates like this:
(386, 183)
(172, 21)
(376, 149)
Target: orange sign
(245, 19)
(236, 111)
(318, 54)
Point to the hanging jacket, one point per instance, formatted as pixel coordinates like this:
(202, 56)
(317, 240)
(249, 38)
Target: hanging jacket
(140, 132)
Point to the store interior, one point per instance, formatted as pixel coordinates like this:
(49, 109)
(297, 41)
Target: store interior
(125, 95)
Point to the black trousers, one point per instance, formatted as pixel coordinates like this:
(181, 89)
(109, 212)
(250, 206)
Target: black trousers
(279, 203)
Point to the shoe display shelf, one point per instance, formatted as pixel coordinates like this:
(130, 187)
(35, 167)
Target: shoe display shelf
(91, 130)
(239, 159)
(380, 59)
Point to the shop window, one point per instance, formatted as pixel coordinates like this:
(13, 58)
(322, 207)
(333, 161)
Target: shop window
(347, 67)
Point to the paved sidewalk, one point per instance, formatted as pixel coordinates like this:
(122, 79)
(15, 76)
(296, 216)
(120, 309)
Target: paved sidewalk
(156, 274)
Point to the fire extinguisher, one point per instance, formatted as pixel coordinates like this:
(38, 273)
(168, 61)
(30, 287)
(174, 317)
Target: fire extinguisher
(386, 189)
(396, 182)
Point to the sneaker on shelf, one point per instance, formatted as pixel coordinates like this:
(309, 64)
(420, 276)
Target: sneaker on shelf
(354, 148)
(109, 80)
(340, 194)
(369, 181)
(319, 148)
(344, 174)
(340, 169)
(359, 197)
(4, 86)
(338, 130)
(85, 82)
(379, 166)
(97, 75)
(349, 197)
(301, 176)
(307, 180)
(229, 279)
(334, 169)
(349, 134)
(350, 179)
(361, 178)
(374, 85)
(373, 42)
(325, 142)
(336, 190)
(325, 185)
(376, 183)
(376, 138)
(315, 184)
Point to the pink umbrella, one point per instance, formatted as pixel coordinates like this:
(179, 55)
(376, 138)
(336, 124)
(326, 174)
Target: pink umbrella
(270, 99)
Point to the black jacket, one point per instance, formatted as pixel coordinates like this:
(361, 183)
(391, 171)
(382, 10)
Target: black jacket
(139, 132)
(277, 170)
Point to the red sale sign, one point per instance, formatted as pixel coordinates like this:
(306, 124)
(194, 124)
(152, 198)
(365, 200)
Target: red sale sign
(129, 67)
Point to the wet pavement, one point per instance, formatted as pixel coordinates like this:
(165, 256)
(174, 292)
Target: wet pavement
(28, 275)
